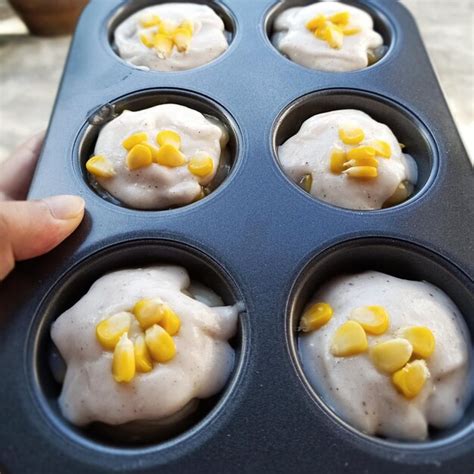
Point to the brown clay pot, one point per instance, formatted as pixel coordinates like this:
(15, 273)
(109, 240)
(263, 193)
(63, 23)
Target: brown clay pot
(49, 17)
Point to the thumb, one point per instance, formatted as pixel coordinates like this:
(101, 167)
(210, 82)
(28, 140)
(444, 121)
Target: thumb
(32, 228)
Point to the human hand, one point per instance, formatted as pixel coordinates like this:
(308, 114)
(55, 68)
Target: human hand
(31, 228)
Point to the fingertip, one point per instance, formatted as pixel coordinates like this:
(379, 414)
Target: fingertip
(65, 207)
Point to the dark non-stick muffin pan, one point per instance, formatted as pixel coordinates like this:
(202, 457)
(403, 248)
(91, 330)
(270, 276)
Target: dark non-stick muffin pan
(257, 239)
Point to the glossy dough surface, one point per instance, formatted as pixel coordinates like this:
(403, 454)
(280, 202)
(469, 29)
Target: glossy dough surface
(201, 367)
(294, 40)
(361, 394)
(308, 152)
(208, 41)
(157, 186)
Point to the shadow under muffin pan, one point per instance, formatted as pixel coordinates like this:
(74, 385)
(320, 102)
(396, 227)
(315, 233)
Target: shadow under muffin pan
(261, 229)
(76, 283)
(402, 260)
(131, 7)
(143, 100)
(407, 129)
(382, 25)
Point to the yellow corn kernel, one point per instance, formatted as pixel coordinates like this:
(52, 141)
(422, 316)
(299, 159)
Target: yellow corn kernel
(168, 155)
(334, 36)
(123, 362)
(321, 32)
(421, 338)
(351, 136)
(169, 137)
(402, 193)
(316, 22)
(153, 150)
(316, 316)
(143, 362)
(306, 182)
(187, 25)
(350, 30)
(367, 161)
(362, 172)
(150, 21)
(110, 330)
(100, 166)
(381, 148)
(391, 355)
(411, 379)
(374, 319)
(337, 160)
(361, 152)
(167, 28)
(200, 195)
(163, 45)
(349, 339)
(160, 344)
(201, 166)
(134, 139)
(139, 157)
(147, 41)
(170, 321)
(148, 312)
(182, 39)
(402, 145)
(340, 18)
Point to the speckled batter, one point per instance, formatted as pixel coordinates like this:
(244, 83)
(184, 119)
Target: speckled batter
(361, 394)
(157, 186)
(294, 40)
(208, 41)
(201, 367)
(308, 152)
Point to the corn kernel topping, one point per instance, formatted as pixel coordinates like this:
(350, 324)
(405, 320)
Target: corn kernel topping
(110, 330)
(351, 136)
(411, 379)
(391, 355)
(332, 29)
(381, 148)
(316, 316)
(374, 319)
(362, 172)
(100, 166)
(160, 344)
(148, 312)
(143, 362)
(201, 166)
(349, 339)
(168, 36)
(337, 161)
(139, 157)
(134, 139)
(123, 362)
(421, 338)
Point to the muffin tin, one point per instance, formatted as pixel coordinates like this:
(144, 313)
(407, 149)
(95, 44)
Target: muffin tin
(256, 239)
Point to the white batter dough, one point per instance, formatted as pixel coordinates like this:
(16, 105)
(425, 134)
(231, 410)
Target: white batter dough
(308, 153)
(201, 367)
(157, 186)
(295, 40)
(207, 43)
(364, 396)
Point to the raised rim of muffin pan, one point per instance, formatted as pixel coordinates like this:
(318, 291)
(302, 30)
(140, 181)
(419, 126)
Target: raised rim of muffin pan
(382, 25)
(401, 259)
(405, 125)
(125, 10)
(140, 100)
(140, 253)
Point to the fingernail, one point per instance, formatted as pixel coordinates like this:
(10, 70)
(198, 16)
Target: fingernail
(65, 207)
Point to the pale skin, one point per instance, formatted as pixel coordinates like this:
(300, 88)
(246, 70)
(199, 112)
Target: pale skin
(31, 228)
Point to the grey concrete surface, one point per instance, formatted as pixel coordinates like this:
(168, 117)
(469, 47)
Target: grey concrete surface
(30, 68)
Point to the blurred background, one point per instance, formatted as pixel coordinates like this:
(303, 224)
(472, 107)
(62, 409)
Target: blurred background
(31, 65)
